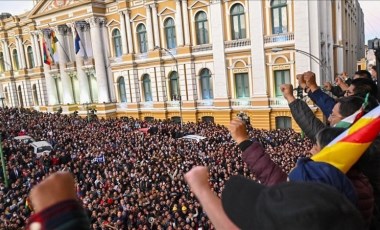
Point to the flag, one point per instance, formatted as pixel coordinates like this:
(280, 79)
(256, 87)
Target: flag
(346, 149)
(99, 159)
(77, 42)
(54, 40)
(47, 56)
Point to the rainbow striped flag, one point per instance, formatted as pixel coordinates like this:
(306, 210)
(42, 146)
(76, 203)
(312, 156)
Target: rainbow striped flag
(47, 56)
(346, 149)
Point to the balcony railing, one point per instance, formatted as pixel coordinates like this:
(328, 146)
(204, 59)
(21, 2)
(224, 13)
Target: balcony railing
(147, 104)
(237, 43)
(205, 103)
(278, 102)
(240, 102)
(172, 104)
(200, 48)
(279, 38)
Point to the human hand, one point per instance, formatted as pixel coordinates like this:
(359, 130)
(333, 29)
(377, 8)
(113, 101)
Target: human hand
(310, 80)
(287, 91)
(301, 81)
(56, 188)
(238, 130)
(327, 86)
(197, 179)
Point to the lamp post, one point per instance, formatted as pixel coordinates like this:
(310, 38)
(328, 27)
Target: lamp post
(3, 163)
(375, 45)
(88, 114)
(311, 56)
(2, 101)
(176, 66)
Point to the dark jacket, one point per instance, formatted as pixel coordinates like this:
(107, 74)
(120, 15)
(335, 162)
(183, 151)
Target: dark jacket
(268, 173)
(305, 118)
(323, 101)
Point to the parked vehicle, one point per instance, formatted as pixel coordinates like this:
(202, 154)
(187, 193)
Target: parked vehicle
(41, 147)
(25, 139)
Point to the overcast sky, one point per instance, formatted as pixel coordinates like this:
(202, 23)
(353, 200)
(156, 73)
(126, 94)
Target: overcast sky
(371, 9)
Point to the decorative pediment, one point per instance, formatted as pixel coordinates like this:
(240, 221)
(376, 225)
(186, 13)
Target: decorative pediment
(198, 4)
(46, 7)
(27, 42)
(166, 11)
(138, 17)
(113, 23)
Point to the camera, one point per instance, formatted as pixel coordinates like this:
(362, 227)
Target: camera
(244, 118)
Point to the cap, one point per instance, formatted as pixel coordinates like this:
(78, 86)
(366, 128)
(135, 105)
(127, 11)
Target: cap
(290, 205)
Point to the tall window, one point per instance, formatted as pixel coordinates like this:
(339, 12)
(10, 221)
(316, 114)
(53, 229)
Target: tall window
(35, 95)
(279, 17)
(281, 77)
(170, 33)
(242, 85)
(30, 57)
(147, 88)
(202, 28)
(122, 92)
(206, 84)
(15, 59)
(238, 22)
(283, 122)
(116, 38)
(2, 66)
(141, 36)
(174, 85)
(20, 98)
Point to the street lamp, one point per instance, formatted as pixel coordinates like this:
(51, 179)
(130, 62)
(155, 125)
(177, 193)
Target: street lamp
(311, 56)
(179, 97)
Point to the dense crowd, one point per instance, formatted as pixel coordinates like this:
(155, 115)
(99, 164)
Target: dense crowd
(128, 179)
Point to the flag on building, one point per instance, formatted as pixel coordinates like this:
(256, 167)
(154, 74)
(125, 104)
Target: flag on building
(77, 42)
(54, 41)
(47, 57)
(345, 150)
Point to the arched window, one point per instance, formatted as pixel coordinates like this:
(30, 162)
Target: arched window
(35, 95)
(30, 57)
(206, 84)
(279, 17)
(141, 36)
(2, 66)
(241, 85)
(122, 92)
(170, 33)
(15, 59)
(174, 86)
(201, 28)
(238, 22)
(116, 38)
(147, 88)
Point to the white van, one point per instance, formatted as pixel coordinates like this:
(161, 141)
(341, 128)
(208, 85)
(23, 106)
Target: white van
(24, 139)
(41, 147)
(196, 138)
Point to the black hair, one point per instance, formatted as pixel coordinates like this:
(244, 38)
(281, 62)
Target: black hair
(349, 105)
(326, 135)
(364, 86)
(364, 74)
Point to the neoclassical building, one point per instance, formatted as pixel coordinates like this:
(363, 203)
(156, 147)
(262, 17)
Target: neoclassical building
(195, 59)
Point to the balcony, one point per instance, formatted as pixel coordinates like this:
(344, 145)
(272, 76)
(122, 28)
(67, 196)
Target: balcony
(200, 48)
(147, 104)
(205, 103)
(278, 102)
(237, 43)
(172, 104)
(278, 38)
(240, 102)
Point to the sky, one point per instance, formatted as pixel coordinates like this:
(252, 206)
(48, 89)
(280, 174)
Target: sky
(371, 10)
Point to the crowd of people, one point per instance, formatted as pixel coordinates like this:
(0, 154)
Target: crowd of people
(125, 178)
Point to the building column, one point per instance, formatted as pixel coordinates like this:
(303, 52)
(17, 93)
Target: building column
(155, 26)
(178, 22)
(21, 51)
(84, 92)
(33, 41)
(8, 62)
(20, 64)
(186, 22)
(100, 68)
(220, 80)
(38, 50)
(129, 31)
(67, 87)
(149, 27)
(259, 79)
(123, 33)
